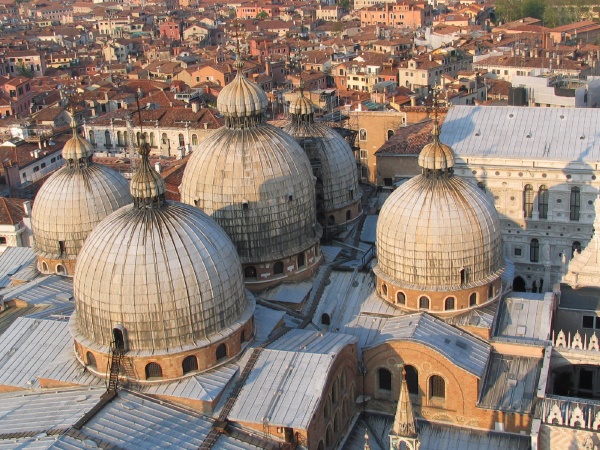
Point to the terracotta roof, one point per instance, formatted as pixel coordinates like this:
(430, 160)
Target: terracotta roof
(11, 210)
(409, 140)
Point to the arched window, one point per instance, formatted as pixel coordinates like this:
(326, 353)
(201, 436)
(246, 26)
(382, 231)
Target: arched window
(119, 138)
(449, 304)
(107, 138)
(534, 250)
(519, 284)
(575, 203)
(423, 302)
(153, 370)
(194, 139)
(412, 380)
(576, 247)
(362, 134)
(331, 220)
(385, 379)
(490, 291)
(221, 352)
(401, 298)
(437, 387)
(390, 133)
(190, 364)
(91, 360)
(321, 446)
(60, 269)
(92, 138)
(528, 201)
(325, 319)
(44, 267)
(152, 139)
(348, 215)
(164, 139)
(329, 437)
(384, 289)
(543, 202)
(463, 276)
(334, 392)
(278, 268)
(473, 299)
(250, 272)
(181, 140)
(301, 260)
(327, 408)
(125, 139)
(336, 423)
(138, 137)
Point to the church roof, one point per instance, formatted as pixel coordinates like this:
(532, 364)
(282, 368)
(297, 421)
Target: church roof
(462, 349)
(564, 134)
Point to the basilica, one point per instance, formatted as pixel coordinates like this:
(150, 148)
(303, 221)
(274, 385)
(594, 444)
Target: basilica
(274, 308)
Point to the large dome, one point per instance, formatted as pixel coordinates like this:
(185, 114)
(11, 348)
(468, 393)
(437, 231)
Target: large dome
(164, 272)
(333, 162)
(71, 203)
(257, 183)
(438, 232)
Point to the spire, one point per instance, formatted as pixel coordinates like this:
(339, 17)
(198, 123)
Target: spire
(147, 186)
(404, 422)
(367, 445)
(239, 64)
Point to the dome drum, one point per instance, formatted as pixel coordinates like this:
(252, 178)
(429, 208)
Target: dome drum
(172, 364)
(51, 266)
(296, 268)
(339, 219)
(442, 303)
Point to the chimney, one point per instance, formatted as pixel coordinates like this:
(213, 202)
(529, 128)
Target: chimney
(430, 57)
(413, 100)
(27, 208)
(195, 107)
(157, 167)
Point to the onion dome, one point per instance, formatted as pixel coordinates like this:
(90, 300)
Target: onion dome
(77, 149)
(254, 180)
(242, 101)
(163, 272)
(331, 157)
(435, 155)
(71, 203)
(437, 232)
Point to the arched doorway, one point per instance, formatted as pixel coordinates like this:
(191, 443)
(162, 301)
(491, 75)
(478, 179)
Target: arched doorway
(119, 338)
(519, 285)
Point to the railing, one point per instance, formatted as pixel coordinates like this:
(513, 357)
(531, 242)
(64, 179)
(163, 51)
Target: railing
(569, 412)
(576, 342)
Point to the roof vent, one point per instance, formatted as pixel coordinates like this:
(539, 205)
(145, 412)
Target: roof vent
(461, 344)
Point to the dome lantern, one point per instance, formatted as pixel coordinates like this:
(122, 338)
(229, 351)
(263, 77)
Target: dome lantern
(147, 186)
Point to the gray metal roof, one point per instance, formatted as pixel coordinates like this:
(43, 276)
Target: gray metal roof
(369, 229)
(278, 389)
(12, 260)
(65, 368)
(44, 290)
(510, 383)
(28, 346)
(36, 412)
(558, 134)
(462, 349)
(585, 298)
(134, 421)
(442, 437)
(526, 316)
(288, 293)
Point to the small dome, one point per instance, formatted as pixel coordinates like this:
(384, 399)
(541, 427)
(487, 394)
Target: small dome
(258, 185)
(241, 97)
(301, 106)
(435, 155)
(163, 271)
(77, 148)
(73, 201)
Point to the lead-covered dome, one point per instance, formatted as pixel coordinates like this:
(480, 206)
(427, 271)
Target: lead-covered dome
(162, 272)
(257, 183)
(333, 163)
(437, 232)
(71, 203)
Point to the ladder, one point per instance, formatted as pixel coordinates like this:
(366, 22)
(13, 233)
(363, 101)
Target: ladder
(115, 369)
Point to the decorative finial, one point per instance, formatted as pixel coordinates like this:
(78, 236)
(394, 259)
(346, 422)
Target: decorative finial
(236, 26)
(436, 91)
(367, 445)
(300, 58)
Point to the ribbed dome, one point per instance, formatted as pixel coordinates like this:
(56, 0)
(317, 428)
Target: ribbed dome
(301, 106)
(338, 180)
(163, 271)
(436, 155)
(77, 148)
(73, 201)
(438, 232)
(241, 97)
(257, 183)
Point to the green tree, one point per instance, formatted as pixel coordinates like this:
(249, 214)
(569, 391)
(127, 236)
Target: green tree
(262, 15)
(23, 70)
(345, 4)
(533, 8)
(508, 10)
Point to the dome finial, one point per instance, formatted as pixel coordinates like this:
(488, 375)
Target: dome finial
(147, 186)
(77, 152)
(239, 64)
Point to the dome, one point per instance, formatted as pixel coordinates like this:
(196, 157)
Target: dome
(77, 148)
(71, 203)
(162, 271)
(241, 97)
(436, 155)
(258, 185)
(337, 175)
(255, 181)
(438, 232)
